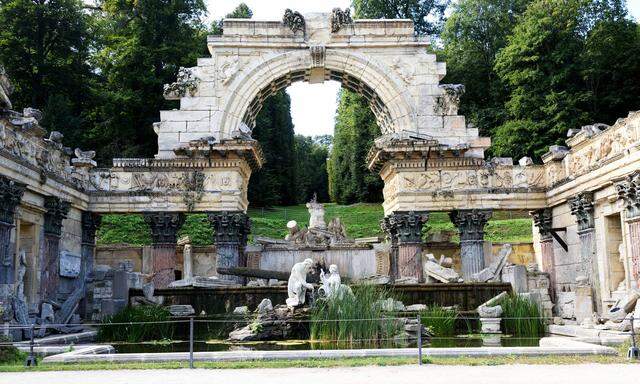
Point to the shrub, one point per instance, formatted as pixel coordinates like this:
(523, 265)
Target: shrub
(8, 353)
(115, 328)
(353, 318)
(521, 317)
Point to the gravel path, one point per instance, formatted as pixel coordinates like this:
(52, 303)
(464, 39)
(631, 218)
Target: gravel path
(431, 374)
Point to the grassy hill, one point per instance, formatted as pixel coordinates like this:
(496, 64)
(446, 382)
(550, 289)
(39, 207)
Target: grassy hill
(361, 220)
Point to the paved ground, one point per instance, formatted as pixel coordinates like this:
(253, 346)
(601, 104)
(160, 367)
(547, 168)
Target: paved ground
(507, 374)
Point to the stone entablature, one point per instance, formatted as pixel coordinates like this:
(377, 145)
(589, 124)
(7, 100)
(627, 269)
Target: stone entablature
(380, 59)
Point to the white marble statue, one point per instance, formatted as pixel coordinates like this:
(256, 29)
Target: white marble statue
(623, 259)
(331, 284)
(22, 270)
(316, 214)
(298, 286)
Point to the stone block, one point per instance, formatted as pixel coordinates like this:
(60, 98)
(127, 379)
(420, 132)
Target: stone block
(517, 276)
(583, 308)
(70, 264)
(490, 325)
(120, 285)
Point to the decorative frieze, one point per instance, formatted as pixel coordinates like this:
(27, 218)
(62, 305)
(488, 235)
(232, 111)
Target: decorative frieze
(542, 219)
(629, 191)
(11, 193)
(405, 227)
(582, 208)
(230, 227)
(164, 226)
(57, 211)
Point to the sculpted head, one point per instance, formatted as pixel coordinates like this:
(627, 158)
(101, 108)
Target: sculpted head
(308, 263)
(333, 268)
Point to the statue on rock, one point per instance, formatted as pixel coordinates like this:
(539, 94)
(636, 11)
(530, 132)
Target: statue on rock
(298, 286)
(332, 286)
(316, 213)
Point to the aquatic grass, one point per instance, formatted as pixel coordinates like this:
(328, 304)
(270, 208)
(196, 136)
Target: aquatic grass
(8, 353)
(521, 317)
(113, 329)
(440, 321)
(354, 318)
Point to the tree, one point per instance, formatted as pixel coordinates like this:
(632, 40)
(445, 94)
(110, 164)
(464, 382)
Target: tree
(554, 65)
(311, 167)
(349, 179)
(145, 43)
(473, 35)
(427, 15)
(45, 46)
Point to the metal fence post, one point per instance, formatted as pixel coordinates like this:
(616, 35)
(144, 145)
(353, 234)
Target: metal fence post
(191, 342)
(634, 352)
(31, 359)
(419, 339)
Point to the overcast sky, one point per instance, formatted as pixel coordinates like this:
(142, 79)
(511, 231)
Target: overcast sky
(313, 107)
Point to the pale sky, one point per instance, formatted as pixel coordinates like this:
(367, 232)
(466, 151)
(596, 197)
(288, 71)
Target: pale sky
(313, 107)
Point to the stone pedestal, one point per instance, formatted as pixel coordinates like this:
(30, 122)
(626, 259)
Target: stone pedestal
(230, 235)
(57, 211)
(164, 231)
(489, 325)
(583, 303)
(470, 224)
(405, 231)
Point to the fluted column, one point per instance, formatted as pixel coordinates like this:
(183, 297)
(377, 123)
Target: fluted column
(470, 224)
(10, 195)
(405, 231)
(57, 211)
(629, 191)
(582, 208)
(231, 230)
(542, 219)
(164, 232)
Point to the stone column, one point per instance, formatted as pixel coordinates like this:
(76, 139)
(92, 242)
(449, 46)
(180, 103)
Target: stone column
(90, 222)
(582, 208)
(542, 219)
(57, 211)
(470, 224)
(164, 231)
(10, 195)
(405, 231)
(629, 191)
(230, 235)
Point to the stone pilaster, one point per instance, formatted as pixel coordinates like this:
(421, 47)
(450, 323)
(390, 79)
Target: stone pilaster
(10, 195)
(470, 224)
(542, 219)
(164, 232)
(629, 192)
(582, 208)
(405, 231)
(90, 223)
(231, 230)
(57, 211)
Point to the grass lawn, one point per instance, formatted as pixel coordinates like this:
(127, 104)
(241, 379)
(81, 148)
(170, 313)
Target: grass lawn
(326, 363)
(361, 220)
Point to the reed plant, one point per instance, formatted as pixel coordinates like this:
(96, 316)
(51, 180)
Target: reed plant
(126, 325)
(354, 318)
(439, 321)
(521, 317)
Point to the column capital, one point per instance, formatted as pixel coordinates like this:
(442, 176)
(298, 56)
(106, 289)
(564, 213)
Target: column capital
(629, 191)
(90, 223)
(470, 223)
(11, 193)
(164, 226)
(57, 211)
(542, 219)
(581, 207)
(405, 227)
(230, 227)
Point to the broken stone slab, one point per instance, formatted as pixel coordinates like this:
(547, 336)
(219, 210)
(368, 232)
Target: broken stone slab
(490, 308)
(391, 305)
(494, 270)
(442, 274)
(376, 279)
(415, 307)
(622, 307)
(180, 310)
(202, 282)
(407, 280)
(244, 310)
(264, 306)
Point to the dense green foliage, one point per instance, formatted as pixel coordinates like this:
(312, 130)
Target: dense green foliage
(427, 15)
(356, 318)
(349, 179)
(8, 353)
(361, 220)
(115, 328)
(521, 317)
(439, 321)
(311, 155)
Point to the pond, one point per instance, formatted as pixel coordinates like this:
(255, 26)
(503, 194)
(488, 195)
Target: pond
(223, 345)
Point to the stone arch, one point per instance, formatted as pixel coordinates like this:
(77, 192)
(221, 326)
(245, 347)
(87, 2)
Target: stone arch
(388, 99)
